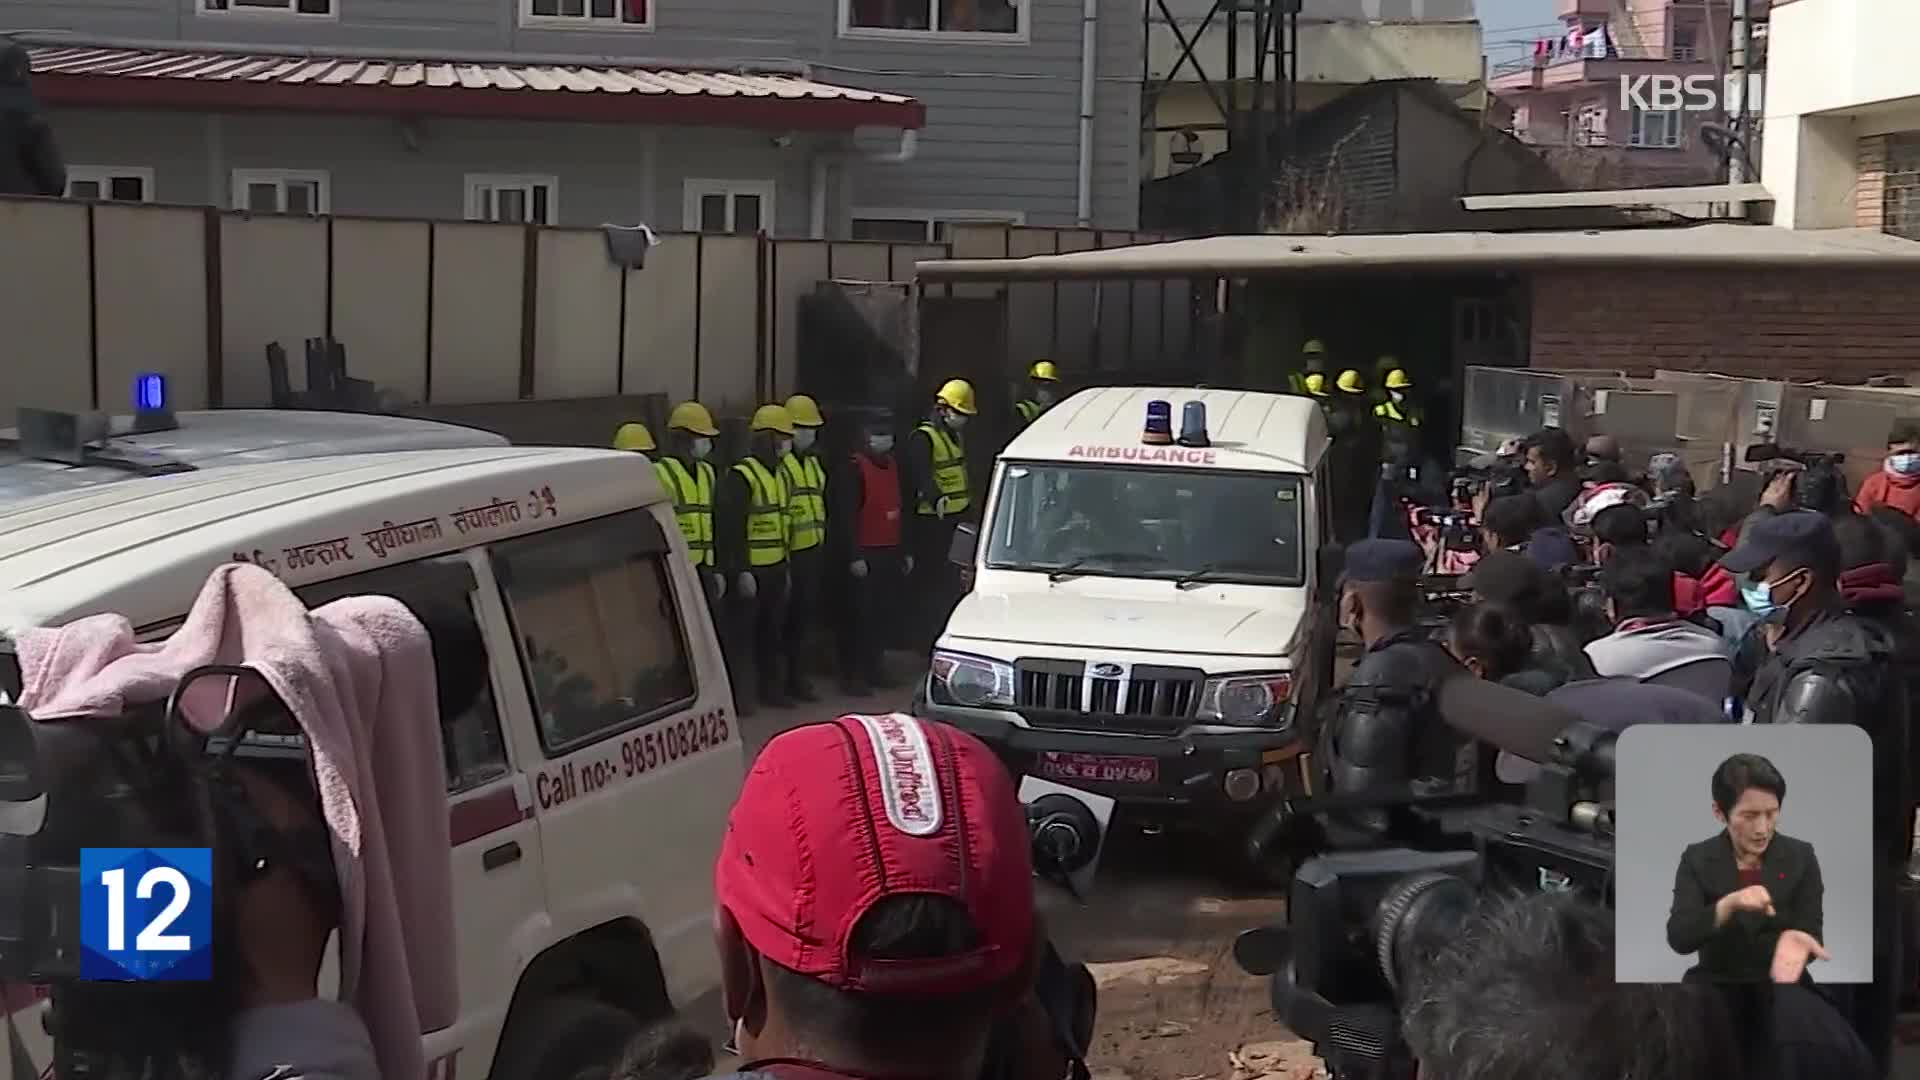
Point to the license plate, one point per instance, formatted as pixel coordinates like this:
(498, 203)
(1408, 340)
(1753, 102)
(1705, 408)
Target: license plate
(1099, 768)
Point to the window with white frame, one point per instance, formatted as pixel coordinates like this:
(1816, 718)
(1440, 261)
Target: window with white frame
(1686, 43)
(521, 200)
(729, 206)
(588, 14)
(280, 191)
(322, 9)
(109, 183)
(973, 18)
(1590, 126)
(1654, 128)
(923, 226)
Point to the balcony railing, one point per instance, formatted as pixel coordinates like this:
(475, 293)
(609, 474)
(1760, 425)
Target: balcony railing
(1526, 63)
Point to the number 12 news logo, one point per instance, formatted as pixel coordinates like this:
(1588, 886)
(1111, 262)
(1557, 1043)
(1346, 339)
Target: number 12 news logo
(146, 914)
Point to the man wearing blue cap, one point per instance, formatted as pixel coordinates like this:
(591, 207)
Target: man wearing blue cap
(1824, 666)
(1386, 730)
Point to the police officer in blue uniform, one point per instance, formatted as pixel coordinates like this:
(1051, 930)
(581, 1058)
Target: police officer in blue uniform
(1386, 732)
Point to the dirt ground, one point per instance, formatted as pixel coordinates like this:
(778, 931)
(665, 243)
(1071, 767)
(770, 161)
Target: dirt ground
(1157, 932)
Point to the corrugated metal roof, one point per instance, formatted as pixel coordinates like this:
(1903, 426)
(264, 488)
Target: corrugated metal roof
(256, 73)
(1719, 245)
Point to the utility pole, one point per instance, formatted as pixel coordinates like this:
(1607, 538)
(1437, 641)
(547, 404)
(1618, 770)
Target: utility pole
(1739, 75)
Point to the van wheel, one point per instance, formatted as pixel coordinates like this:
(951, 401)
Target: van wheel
(565, 1038)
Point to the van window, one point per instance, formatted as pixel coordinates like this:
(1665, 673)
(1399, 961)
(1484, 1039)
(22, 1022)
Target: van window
(598, 626)
(475, 748)
(1127, 521)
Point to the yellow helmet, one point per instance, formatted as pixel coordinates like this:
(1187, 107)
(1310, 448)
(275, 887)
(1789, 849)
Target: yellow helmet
(1397, 379)
(633, 437)
(1350, 382)
(694, 417)
(957, 394)
(1043, 371)
(805, 411)
(772, 418)
(1313, 348)
(1317, 384)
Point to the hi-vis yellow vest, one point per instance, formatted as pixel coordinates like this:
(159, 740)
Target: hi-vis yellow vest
(949, 465)
(766, 514)
(692, 504)
(1027, 410)
(806, 484)
(1392, 412)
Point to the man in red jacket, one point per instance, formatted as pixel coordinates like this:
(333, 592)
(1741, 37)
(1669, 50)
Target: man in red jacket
(863, 527)
(1897, 484)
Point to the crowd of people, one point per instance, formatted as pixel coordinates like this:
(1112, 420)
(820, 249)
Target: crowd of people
(1626, 599)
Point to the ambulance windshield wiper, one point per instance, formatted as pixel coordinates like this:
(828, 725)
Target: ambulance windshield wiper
(1062, 573)
(1213, 569)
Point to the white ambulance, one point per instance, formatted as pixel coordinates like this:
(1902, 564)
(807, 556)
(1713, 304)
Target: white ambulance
(1148, 618)
(587, 792)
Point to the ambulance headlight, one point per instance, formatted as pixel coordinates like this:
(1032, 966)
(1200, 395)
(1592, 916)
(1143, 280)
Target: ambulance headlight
(1247, 700)
(975, 681)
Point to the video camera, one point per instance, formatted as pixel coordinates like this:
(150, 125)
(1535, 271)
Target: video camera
(147, 778)
(1361, 924)
(1821, 486)
(1500, 475)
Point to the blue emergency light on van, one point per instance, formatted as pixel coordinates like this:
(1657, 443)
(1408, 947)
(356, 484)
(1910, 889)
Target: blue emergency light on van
(149, 392)
(1193, 424)
(1159, 430)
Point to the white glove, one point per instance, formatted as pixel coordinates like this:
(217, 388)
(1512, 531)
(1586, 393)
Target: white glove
(906, 565)
(749, 588)
(858, 568)
(719, 585)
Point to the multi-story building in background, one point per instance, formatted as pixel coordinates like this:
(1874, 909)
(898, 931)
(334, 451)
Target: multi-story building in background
(1584, 96)
(871, 119)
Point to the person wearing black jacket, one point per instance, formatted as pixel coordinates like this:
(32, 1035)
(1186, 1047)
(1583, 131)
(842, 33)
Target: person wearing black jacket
(1551, 476)
(1750, 890)
(1825, 665)
(29, 159)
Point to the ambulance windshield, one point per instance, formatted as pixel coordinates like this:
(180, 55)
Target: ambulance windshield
(1188, 526)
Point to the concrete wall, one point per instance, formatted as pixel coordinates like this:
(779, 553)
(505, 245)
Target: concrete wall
(1776, 324)
(1838, 71)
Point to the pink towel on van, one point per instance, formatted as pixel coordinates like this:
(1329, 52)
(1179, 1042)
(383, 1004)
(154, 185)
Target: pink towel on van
(358, 675)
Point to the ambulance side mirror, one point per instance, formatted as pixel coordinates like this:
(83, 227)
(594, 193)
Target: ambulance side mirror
(965, 545)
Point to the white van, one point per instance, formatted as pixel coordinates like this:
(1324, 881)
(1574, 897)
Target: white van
(151, 444)
(1148, 619)
(587, 792)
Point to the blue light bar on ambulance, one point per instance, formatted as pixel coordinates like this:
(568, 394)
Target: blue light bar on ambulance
(1159, 430)
(149, 393)
(1193, 424)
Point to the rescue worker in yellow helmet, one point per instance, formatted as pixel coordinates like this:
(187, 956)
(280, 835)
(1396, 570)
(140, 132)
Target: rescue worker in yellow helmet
(635, 437)
(689, 478)
(1397, 405)
(1383, 365)
(1315, 384)
(806, 480)
(750, 535)
(938, 491)
(1043, 389)
(1354, 458)
(1313, 361)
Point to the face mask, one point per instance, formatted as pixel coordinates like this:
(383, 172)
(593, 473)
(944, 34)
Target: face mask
(880, 444)
(1043, 396)
(1397, 396)
(1904, 464)
(955, 420)
(783, 447)
(803, 438)
(702, 448)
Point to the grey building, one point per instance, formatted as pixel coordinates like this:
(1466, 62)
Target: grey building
(865, 119)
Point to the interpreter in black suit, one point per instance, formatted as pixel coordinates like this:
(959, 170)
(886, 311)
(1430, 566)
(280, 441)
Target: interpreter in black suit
(1748, 900)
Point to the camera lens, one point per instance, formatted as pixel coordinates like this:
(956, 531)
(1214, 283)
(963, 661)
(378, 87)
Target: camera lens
(1417, 912)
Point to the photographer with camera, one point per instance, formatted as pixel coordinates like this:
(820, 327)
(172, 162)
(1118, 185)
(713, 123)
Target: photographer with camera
(1897, 484)
(1385, 731)
(875, 914)
(1542, 963)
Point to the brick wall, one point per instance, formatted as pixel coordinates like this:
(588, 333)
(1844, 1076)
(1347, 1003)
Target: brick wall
(1870, 183)
(1798, 325)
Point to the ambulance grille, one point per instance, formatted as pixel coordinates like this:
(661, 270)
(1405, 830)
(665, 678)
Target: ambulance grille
(1062, 694)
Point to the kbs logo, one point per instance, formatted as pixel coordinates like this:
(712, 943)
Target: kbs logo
(1693, 93)
(146, 914)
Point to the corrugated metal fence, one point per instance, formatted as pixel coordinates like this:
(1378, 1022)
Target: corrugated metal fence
(455, 313)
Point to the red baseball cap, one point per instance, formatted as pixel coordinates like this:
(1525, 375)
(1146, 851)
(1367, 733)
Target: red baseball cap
(835, 817)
